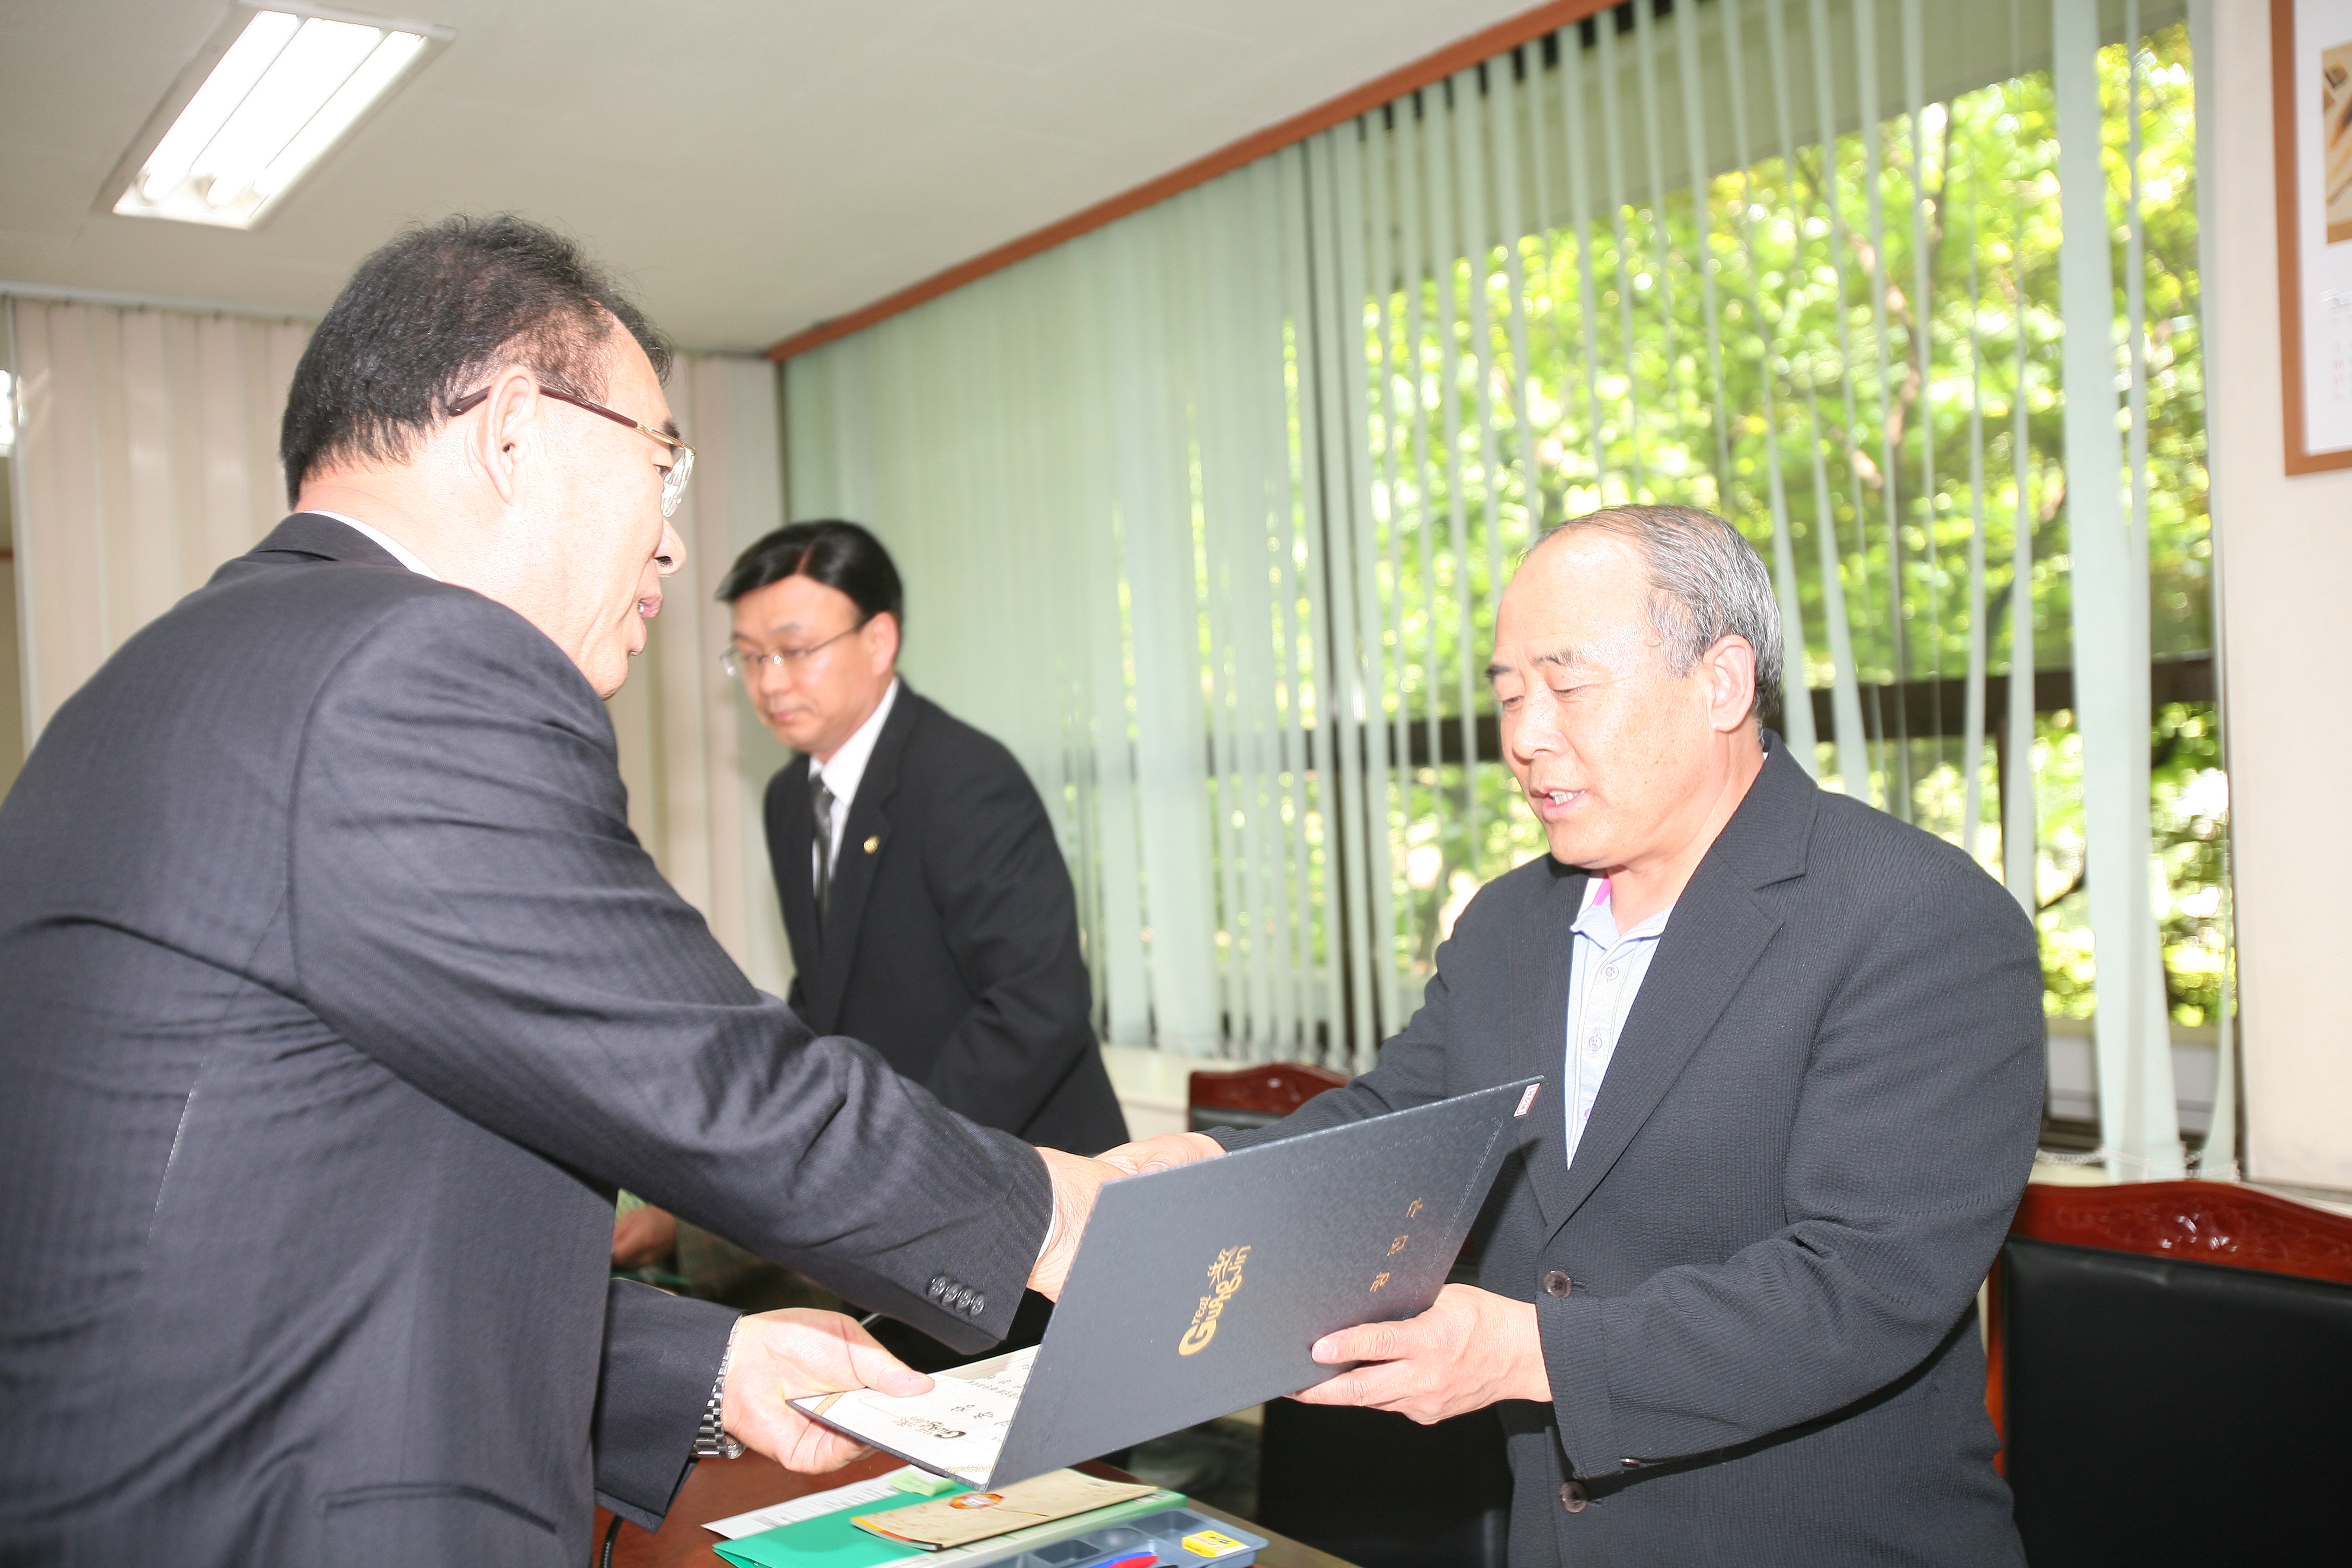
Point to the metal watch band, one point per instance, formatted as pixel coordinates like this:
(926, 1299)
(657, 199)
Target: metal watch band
(710, 1438)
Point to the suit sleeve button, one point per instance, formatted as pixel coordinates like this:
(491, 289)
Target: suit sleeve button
(978, 1303)
(1557, 1284)
(1573, 1498)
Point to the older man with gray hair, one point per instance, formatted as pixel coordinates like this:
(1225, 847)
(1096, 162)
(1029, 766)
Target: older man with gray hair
(1726, 1292)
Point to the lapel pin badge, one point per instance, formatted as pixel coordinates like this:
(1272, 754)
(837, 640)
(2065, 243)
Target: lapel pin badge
(873, 843)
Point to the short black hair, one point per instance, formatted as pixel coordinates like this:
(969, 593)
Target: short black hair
(430, 314)
(836, 553)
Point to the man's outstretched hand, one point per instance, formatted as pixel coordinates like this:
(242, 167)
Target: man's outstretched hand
(641, 1236)
(1077, 1180)
(1164, 1153)
(1471, 1349)
(776, 1356)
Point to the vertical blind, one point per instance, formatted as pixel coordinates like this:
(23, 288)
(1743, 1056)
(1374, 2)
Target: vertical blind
(1116, 502)
(146, 454)
(694, 756)
(1205, 514)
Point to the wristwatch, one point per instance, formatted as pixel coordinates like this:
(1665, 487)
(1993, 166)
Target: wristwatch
(710, 1438)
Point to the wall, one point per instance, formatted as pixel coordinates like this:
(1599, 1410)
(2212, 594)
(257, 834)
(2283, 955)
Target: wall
(2284, 565)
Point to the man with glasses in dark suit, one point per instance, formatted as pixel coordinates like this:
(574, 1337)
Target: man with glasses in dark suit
(337, 999)
(929, 909)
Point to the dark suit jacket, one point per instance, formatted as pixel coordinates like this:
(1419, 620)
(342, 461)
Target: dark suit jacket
(951, 937)
(1817, 1123)
(335, 1000)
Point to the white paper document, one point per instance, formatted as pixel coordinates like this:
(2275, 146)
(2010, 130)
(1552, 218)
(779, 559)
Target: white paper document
(956, 1429)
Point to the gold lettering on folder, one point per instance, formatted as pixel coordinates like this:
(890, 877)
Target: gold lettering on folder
(1225, 1279)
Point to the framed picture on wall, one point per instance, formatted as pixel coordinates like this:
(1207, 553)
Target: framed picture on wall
(2311, 100)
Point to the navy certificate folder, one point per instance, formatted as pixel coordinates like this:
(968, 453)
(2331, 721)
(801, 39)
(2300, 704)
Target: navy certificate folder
(1198, 1290)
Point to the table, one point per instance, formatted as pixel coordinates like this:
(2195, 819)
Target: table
(719, 1489)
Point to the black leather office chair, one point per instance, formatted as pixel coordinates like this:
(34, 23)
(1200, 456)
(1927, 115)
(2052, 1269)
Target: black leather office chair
(2172, 1364)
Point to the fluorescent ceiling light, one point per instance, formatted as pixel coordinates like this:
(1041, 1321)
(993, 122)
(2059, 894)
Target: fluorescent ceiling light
(282, 92)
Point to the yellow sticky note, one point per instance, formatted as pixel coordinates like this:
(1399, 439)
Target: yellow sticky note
(1211, 1543)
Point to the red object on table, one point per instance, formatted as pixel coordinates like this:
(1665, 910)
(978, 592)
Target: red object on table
(720, 1489)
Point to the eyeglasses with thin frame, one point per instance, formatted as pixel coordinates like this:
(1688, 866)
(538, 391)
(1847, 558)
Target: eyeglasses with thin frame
(674, 475)
(741, 666)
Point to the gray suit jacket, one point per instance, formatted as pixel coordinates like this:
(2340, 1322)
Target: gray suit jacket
(1816, 1125)
(336, 998)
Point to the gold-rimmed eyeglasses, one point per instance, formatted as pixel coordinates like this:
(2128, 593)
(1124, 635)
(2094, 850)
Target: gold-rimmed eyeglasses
(674, 474)
(741, 664)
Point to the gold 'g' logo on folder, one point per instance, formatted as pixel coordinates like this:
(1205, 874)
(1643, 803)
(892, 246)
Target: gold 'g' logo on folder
(1225, 1279)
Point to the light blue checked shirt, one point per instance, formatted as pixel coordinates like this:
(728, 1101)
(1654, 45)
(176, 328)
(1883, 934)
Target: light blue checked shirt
(1605, 971)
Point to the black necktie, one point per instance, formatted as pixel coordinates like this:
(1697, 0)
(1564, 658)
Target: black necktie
(821, 802)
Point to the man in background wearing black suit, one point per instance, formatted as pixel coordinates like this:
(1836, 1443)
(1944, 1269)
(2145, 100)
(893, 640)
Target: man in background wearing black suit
(1727, 1300)
(929, 909)
(336, 1000)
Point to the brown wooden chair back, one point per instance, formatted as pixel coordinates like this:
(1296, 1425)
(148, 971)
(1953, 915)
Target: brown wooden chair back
(1253, 1096)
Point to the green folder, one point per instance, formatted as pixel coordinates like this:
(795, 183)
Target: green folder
(830, 1541)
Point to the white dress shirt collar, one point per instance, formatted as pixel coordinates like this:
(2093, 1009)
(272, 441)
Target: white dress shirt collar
(399, 552)
(842, 774)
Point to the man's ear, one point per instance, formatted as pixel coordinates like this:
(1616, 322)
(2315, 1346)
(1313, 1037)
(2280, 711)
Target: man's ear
(880, 636)
(1730, 669)
(507, 430)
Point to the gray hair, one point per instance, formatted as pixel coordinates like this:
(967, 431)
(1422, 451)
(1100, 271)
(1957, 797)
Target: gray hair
(1706, 583)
